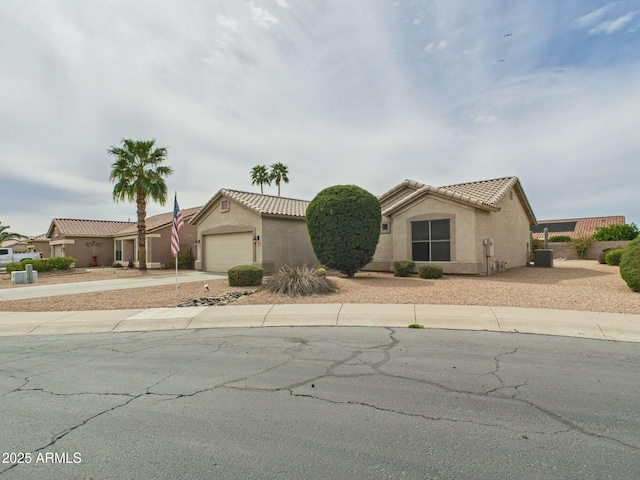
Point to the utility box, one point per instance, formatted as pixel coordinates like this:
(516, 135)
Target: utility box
(543, 258)
(19, 277)
(488, 247)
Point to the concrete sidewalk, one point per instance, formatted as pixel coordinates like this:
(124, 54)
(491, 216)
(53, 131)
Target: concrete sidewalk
(36, 291)
(603, 326)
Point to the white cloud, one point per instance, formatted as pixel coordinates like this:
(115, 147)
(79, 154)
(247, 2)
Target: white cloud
(592, 17)
(613, 26)
(262, 17)
(228, 23)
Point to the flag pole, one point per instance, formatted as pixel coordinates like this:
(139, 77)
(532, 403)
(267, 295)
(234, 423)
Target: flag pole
(176, 226)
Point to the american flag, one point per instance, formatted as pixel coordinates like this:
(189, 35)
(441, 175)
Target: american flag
(178, 223)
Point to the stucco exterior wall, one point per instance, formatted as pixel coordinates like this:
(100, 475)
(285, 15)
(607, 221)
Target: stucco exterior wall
(159, 248)
(509, 229)
(83, 250)
(285, 242)
(236, 219)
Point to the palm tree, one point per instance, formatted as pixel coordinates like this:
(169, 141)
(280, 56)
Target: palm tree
(138, 175)
(260, 175)
(278, 174)
(5, 236)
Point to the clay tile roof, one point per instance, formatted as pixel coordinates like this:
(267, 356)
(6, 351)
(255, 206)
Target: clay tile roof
(574, 227)
(86, 228)
(488, 192)
(268, 204)
(156, 222)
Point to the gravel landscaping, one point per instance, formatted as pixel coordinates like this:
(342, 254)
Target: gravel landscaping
(571, 285)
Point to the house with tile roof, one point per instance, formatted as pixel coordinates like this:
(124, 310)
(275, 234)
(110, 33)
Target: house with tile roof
(243, 228)
(104, 242)
(574, 227)
(467, 228)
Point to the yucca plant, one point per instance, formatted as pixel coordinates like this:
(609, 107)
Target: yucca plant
(298, 282)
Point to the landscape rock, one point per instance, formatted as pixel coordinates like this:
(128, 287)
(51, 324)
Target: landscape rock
(221, 300)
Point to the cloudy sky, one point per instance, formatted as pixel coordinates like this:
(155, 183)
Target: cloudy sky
(366, 92)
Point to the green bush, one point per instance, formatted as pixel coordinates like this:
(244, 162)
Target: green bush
(344, 226)
(613, 257)
(616, 232)
(185, 258)
(630, 265)
(581, 245)
(403, 268)
(536, 244)
(42, 264)
(245, 276)
(298, 282)
(430, 271)
(560, 238)
(601, 256)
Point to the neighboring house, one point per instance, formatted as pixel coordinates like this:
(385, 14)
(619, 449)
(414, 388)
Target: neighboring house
(574, 227)
(158, 240)
(90, 242)
(242, 228)
(103, 242)
(29, 244)
(469, 228)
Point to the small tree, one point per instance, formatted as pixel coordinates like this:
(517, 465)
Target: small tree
(259, 176)
(581, 245)
(344, 226)
(618, 231)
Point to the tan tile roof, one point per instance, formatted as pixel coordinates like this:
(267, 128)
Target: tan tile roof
(156, 222)
(268, 204)
(72, 227)
(485, 194)
(584, 227)
(258, 203)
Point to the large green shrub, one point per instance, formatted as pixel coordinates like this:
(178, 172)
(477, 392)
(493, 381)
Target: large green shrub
(42, 264)
(630, 265)
(344, 225)
(613, 256)
(245, 276)
(430, 271)
(298, 282)
(403, 268)
(616, 232)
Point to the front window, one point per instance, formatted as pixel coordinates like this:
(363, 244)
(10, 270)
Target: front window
(118, 250)
(431, 241)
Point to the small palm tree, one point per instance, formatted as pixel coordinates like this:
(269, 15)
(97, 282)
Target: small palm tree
(6, 236)
(139, 176)
(278, 174)
(260, 175)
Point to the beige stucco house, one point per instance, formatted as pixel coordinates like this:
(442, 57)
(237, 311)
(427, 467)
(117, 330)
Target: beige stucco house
(468, 228)
(242, 228)
(104, 242)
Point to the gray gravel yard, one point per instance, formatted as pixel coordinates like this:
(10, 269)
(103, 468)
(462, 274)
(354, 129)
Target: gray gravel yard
(571, 285)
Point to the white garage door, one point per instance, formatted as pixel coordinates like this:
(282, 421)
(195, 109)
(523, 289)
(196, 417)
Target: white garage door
(226, 250)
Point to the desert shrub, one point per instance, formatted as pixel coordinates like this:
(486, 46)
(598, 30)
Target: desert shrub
(601, 256)
(344, 226)
(245, 276)
(116, 265)
(616, 232)
(613, 256)
(560, 238)
(185, 257)
(321, 272)
(630, 265)
(403, 268)
(42, 264)
(430, 271)
(298, 282)
(581, 245)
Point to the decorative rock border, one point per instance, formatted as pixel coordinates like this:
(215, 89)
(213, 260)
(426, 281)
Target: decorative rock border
(223, 299)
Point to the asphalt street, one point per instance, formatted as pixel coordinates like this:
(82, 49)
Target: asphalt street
(318, 403)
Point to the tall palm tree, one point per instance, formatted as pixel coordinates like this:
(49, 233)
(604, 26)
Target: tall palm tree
(260, 175)
(6, 236)
(138, 174)
(278, 174)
